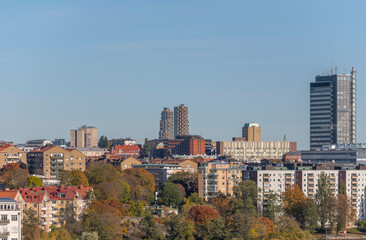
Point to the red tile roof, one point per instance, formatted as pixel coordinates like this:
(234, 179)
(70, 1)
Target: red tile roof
(8, 194)
(42, 149)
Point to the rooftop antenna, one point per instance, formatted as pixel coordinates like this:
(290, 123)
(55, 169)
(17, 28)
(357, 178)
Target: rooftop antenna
(336, 70)
(331, 70)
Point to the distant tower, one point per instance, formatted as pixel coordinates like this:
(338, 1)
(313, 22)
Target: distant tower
(333, 109)
(181, 123)
(252, 132)
(85, 136)
(166, 124)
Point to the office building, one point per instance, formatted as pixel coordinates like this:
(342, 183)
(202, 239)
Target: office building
(60, 142)
(166, 124)
(49, 161)
(181, 123)
(218, 177)
(11, 219)
(251, 132)
(85, 136)
(333, 109)
(337, 153)
(255, 151)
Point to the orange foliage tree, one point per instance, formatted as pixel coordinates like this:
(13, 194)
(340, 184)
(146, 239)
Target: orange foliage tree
(141, 182)
(201, 214)
(13, 176)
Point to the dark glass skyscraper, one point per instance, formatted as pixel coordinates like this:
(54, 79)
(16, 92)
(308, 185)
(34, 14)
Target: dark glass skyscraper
(333, 109)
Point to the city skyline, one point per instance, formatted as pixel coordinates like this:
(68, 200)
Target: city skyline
(228, 65)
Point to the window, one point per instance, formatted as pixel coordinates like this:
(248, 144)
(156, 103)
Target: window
(14, 217)
(4, 217)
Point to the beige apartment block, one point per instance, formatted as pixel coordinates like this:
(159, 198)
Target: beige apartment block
(11, 154)
(255, 151)
(218, 177)
(129, 162)
(49, 161)
(85, 136)
(181, 123)
(251, 132)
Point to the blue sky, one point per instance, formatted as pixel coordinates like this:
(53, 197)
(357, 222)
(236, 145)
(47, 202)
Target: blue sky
(116, 64)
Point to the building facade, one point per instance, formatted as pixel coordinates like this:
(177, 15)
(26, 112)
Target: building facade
(11, 154)
(251, 132)
(255, 151)
(11, 219)
(333, 109)
(49, 161)
(181, 123)
(166, 124)
(218, 177)
(85, 136)
(161, 172)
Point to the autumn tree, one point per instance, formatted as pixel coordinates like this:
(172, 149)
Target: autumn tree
(30, 226)
(326, 202)
(170, 195)
(201, 214)
(247, 192)
(34, 181)
(179, 228)
(141, 182)
(261, 228)
(116, 189)
(214, 229)
(288, 228)
(73, 178)
(345, 213)
(188, 180)
(89, 236)
(13, 176)
(101, 173)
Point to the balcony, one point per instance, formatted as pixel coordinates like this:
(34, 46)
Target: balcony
(43, 216)
(44, 223)
(4, 222)
(44, 208)
(4, 234)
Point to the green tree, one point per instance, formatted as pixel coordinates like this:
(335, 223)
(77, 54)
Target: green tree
(146, 148)
(101, 173)
(288, 228)
(361, 225)
(195, 198)
(187, 179)
(34, 181)
(215, 229)
(342, 187)
(247, 192)
(103, 142)
(179, 228)
(149, 228)
(326, 202)
(309, 216)
(170, 195)
(272, 208)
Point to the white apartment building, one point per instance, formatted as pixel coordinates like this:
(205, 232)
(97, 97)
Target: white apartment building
(277, 179)
(255, 151)
(10, 219)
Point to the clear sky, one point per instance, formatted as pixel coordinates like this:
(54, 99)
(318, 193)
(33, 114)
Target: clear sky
(116, 64)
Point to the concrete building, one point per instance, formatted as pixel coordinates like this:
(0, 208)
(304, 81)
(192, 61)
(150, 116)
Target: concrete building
(11, 219)
(85, 136)
(123, 141)
(166, 124)
(251, 132)
(190, 145)
(11, 154)
(218, 177)
(181, 123)
(49, 161)
(255, 151)
(337, 153)
(333, 109)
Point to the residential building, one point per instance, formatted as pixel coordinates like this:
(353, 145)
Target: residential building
(11, 154)
(166, 124)
(191, 145)
(60, 142)
(49, 161)
(128, 163)
(275, 179)
(126, 150)
(85, 136)
(218, 177)
(11, 219)
(333, 109)
(161, 172)
(181, 123)
(92, 151)
(251, 132)
(255, 151)
(123, 141)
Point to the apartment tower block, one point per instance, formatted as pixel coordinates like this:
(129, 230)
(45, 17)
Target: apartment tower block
(166, 124)
(252, 132)
(85, 136)
(181, 123)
